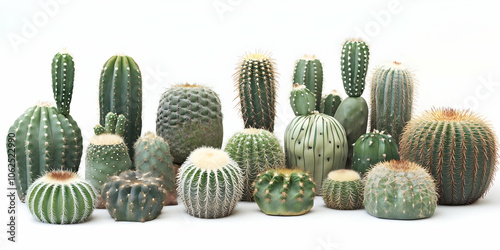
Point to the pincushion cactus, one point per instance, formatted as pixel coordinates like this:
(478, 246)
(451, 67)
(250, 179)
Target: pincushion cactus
(330, 103)
(343, 189)
(301, 100)
(309, 73)
(372, 148)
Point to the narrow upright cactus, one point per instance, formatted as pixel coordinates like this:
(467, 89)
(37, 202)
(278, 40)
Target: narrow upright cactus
(309, 72)
(63, 75)
(330, 103)
(372, 148)
(343, 189)
(301, 100)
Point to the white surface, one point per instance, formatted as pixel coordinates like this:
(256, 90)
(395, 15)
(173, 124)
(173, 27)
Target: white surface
(452, 46)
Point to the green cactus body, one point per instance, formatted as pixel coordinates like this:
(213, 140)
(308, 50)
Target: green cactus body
(61, 197)
(133, 196)
(120, 91)
(400, 190)
(284, 192)
(354, 65)
(330, 103)
(315, 143)
(459, 149)
(372, 148)
(63, 75)
(391, 99)
(309, 72)
(343, 189)
(152, 154)
(210, 183)
(189, 116)
(301, 100)
(256, 84)
(255, 151)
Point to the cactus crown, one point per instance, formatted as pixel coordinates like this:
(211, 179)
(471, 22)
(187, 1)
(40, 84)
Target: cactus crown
(343, 175)
(451, 115)
(259, 56)
(188, 85)
(106, 139)
(208, 158)
(60, 177)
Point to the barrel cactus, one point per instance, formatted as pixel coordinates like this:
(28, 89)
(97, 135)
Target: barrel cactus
(330, 103)
(372, 148)
(459, 148)
(309, 73)
(343, 189)
(301, 100)
(189, 116)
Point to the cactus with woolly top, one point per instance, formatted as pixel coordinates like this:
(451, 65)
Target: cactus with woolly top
(210, 183)
(459, 148)
(301, 100)
(330, 103)
(255, 151)
(309, 72)
(61, 197)
(189, 116)
(284, 192)
(343, 189)
(372, 148)
(400, 190)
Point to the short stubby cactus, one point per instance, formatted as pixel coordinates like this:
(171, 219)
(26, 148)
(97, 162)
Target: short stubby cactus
(133, 196)
(354, 66)
(330, 103)
(301, 100)
(343, 189)
(284, 192)
(189, 116)
(400, 190)
(255, 151)
(372, 148)
(210, 183)
(309, 72)
(61, 197)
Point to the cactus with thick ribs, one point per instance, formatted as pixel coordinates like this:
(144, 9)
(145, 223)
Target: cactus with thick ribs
(301, 100)
(309, 72)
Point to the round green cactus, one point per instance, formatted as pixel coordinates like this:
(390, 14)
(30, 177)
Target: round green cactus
(302, 100)
(343, 189)
(372, 148)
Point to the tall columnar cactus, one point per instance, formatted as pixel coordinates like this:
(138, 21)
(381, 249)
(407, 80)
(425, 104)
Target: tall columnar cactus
(256, 83)
(330, 103)
(284, 192)
(152, 154)
(189, 116)
(343, 189)
(255, 151)
(210, 183)
(458, 147)
(309, 72)
(372, 148)
(400, 190)
(133, 196)
(392, 93)
(63, 75)
(120, 91)
(61, 197)
(302, 100)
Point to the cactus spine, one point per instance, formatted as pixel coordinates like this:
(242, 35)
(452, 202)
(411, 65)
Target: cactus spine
(309, 72)
(343, 189)
(301, 100)
(330, 103)
(372, 148)
(63, 75)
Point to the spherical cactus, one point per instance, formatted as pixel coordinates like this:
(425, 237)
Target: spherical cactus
(459, 148)
(302, 100)
(210, 183)
(255, 151)
(343, 189)
(284, 192)
(372, 148)
(309, 73)
(133, 196)
(400, 190)
(330, 103)
(61, 197)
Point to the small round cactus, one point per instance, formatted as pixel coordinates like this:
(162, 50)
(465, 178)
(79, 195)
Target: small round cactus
(343, 189)
(302, 100)
(372, 148)
(61, 197)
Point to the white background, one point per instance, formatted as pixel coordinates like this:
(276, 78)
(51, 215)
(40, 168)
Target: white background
(451, 46)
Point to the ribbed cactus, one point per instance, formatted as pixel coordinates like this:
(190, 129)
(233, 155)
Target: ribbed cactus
(392, 93)
(120, 91)
(61, 197)
(210, 183)
(302, 100)
(189, 116)
(459, 148)
(372, 148)
(330, 103)
(400, 190)
(133, 196)
(343, 189)
(256, 84)
(63, 75)
(255, 151)
(152, 154)
(309, 72)
(284, 192)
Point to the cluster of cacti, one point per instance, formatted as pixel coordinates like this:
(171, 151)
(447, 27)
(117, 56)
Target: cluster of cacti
(330, 103)
(61, 197)
(372, 148)
(152, 154)
(255, 151)
(459, 148)
(284, 192)
(256, 83)
(189, 116)
(133, 196)
(343, 189)
(210, 183)
(400, 190)
(309, 73)
(301, 100)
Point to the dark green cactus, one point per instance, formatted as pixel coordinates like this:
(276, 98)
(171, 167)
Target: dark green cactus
(372, 148)
(63, 75)
(309, 72)
(301, 100)
(354, 65)
(330, 103)
(343, 189)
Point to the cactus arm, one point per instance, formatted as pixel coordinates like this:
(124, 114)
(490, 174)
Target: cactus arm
(63, 73)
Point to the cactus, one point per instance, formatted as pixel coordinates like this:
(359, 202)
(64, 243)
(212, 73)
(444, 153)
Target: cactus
(391, 99)
(459, 148)
(63, 75)
(400, 190)
(343, 189)
(301, 100)
(120, 91)
(152, 154)
(309, 72)
(133, 196)
(61, 197)
(210, 183)
(372, 148)
(284, 192)
(330, 103)
(255, 151)
(256, 84)
(189, 116)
